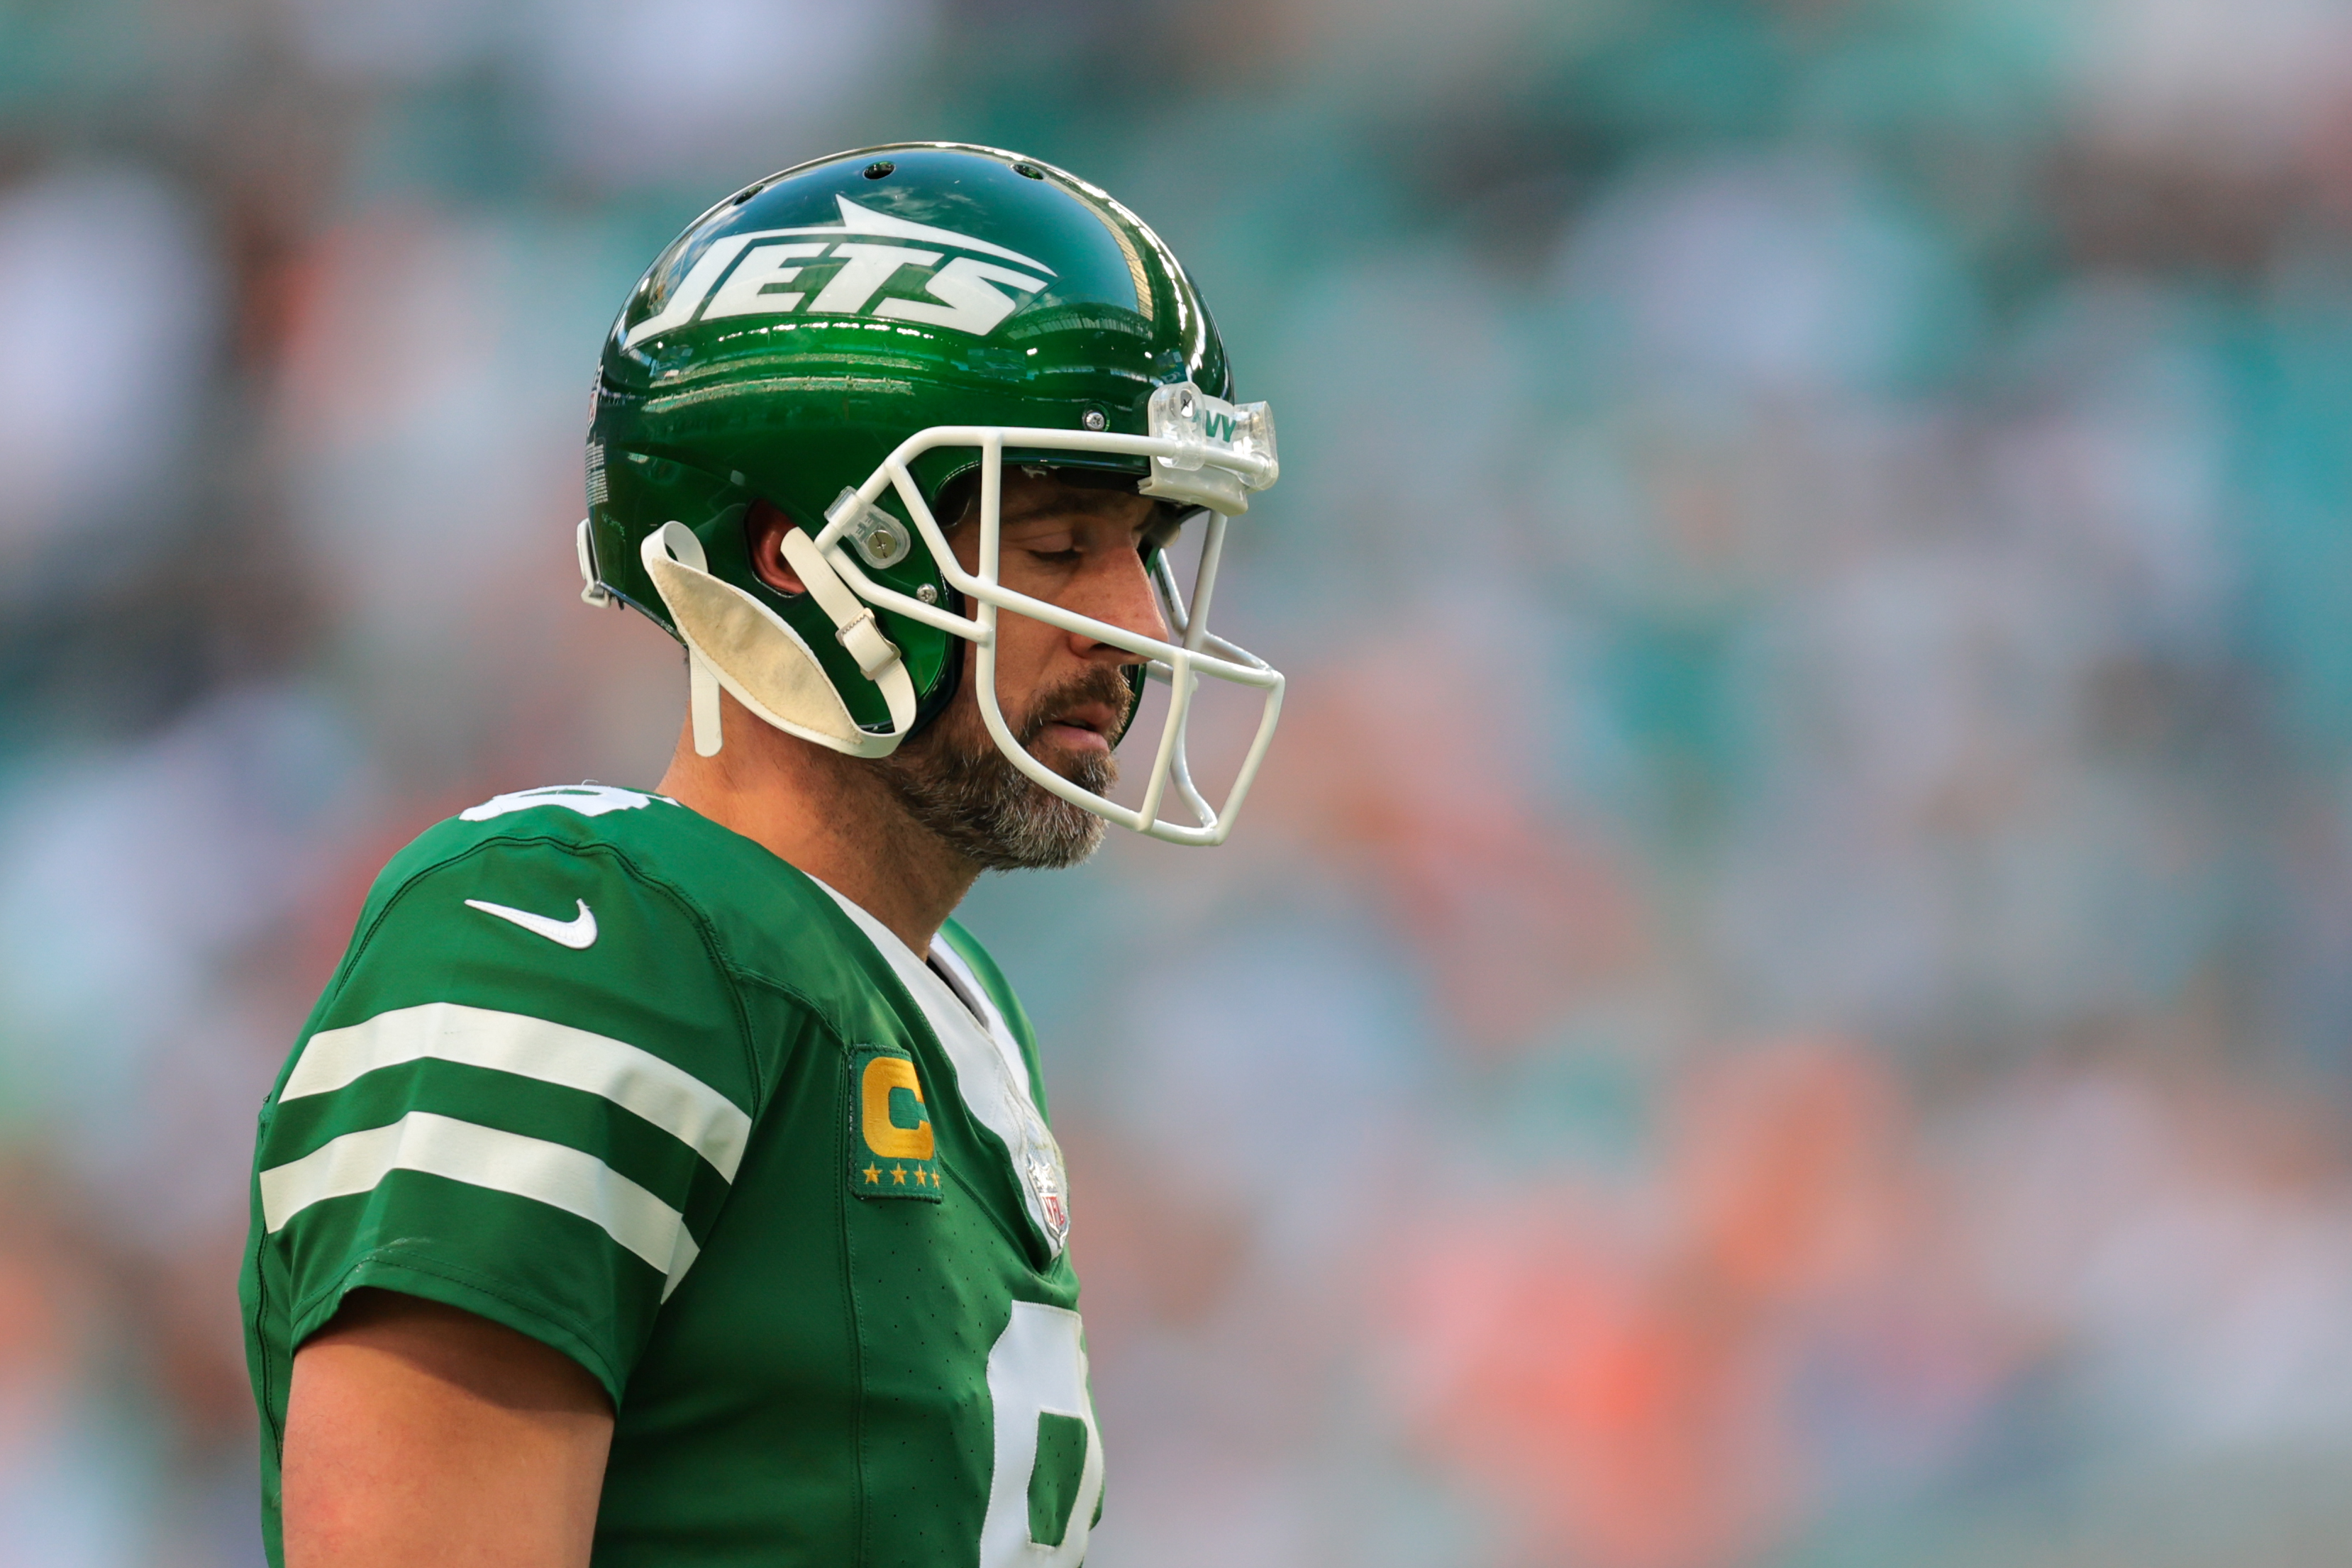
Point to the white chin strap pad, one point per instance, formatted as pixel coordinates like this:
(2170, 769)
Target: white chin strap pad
(734, 641)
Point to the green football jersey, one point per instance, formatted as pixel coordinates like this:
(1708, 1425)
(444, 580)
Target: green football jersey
(610, 1074)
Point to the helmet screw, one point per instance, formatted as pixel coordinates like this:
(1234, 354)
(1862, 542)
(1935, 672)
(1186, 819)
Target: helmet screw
(928, 594)
(880, 168)
(1093, 419)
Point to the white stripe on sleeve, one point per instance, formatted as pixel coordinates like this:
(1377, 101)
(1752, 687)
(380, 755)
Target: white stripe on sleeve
(553, 1174)
(666, 1095)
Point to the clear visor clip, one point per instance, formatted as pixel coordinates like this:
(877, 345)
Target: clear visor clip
(880, 538)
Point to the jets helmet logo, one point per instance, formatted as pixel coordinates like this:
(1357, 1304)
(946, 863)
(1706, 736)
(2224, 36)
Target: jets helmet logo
(754, 273)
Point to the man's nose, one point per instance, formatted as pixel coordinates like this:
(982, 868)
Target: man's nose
(1120, 593)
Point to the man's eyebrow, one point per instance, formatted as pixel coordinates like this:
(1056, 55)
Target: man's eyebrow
(1088, 502)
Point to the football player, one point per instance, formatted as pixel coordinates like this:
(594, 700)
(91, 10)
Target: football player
(664, 1178)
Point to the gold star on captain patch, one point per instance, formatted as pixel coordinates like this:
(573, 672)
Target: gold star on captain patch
(899, 1175)
(873, 1174)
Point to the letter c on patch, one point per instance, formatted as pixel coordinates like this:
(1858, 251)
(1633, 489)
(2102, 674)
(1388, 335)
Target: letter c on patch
(883, 1074)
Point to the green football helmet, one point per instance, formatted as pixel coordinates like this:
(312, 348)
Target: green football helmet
(846, 340)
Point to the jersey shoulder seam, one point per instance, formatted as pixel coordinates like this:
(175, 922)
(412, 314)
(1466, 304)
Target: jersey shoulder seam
(826, 1017)
(845, 931)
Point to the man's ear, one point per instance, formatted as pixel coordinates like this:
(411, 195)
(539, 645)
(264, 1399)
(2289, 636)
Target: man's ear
(764, 526)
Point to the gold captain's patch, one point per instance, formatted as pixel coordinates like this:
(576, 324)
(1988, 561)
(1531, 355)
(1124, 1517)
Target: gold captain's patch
(892, 1150)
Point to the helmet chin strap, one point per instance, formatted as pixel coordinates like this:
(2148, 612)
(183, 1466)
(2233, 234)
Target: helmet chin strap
(852, 619)
(702, 704)
(733, 641)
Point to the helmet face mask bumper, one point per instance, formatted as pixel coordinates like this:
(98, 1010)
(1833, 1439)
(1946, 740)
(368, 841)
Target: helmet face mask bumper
(1181, 661)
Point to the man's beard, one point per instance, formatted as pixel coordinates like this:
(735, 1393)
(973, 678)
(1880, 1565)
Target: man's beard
(954, 780)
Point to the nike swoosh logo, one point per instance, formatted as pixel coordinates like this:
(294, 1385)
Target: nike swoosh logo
(580, 931)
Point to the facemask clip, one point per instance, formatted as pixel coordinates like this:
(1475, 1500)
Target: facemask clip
(880, 538)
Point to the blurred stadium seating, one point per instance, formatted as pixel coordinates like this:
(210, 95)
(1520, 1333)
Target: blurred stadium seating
(1787, 996)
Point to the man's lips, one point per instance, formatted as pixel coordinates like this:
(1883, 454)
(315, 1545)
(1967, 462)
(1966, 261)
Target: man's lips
(1086, 726)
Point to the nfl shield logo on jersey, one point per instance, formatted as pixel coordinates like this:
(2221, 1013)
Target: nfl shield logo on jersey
(1049, 1199)
(1040, 1161)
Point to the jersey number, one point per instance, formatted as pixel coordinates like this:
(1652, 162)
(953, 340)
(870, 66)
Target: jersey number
(1049, 1472)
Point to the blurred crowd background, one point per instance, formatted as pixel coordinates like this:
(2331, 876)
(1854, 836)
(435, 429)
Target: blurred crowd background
(1786, 997)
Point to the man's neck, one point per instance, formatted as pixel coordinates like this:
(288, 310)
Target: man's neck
(832, 816)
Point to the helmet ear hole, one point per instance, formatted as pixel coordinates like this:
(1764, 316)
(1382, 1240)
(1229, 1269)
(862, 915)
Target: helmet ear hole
(764, 526)
(955, 499)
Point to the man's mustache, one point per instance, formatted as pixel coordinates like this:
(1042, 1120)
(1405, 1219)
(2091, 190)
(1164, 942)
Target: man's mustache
(1100, 685)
